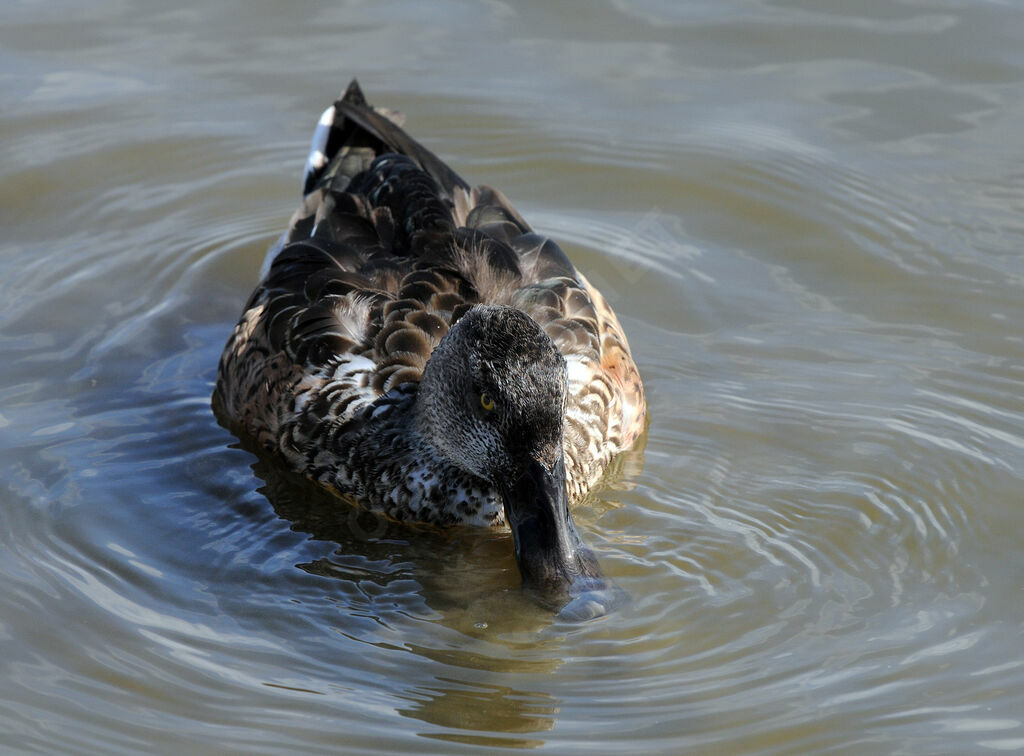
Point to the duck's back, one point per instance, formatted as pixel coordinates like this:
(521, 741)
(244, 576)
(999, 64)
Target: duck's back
(389, 247)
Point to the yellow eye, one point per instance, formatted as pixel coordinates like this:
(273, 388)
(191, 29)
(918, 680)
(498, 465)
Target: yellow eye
(486, 402)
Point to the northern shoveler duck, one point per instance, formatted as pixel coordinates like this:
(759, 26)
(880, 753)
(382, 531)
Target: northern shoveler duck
(414, 344)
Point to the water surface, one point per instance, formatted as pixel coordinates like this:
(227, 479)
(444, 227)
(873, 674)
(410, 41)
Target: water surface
(809, 219)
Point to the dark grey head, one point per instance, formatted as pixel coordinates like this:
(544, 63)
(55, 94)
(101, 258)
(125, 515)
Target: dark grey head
(492, 402)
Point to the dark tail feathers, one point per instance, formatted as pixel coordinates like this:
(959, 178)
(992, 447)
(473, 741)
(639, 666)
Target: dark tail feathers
(353, 122)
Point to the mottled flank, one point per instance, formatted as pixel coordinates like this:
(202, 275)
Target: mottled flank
(389, 250)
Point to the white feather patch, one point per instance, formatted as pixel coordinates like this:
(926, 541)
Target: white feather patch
(578, 372)
(317, 158)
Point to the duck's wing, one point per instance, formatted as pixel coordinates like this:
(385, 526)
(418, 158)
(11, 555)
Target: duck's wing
(388, 248)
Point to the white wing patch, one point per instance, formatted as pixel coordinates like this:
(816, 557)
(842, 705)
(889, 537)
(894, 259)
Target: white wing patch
(317, 158)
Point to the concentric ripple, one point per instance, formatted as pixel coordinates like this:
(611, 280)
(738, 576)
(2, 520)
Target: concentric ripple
(808, 218)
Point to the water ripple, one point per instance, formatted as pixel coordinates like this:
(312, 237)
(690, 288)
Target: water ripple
(798, 214)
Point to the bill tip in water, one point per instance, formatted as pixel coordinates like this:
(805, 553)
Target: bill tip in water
(593, 602)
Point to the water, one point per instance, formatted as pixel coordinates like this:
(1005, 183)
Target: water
(808, 217)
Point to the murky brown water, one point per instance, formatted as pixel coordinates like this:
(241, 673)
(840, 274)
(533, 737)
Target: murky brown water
(810, 218)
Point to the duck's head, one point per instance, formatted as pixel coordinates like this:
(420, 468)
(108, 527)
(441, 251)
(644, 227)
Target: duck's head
(492, 402)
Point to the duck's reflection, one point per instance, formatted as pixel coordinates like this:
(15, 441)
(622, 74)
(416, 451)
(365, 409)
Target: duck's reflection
(464, 579)
(482, 708)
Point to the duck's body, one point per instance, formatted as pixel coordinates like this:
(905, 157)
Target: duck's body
(389, 249)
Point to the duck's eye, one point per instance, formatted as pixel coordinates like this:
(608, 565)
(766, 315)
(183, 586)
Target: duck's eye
(486, 402)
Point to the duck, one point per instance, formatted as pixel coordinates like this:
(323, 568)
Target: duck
(414, 345)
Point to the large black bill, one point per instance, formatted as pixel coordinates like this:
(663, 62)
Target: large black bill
(554, 563)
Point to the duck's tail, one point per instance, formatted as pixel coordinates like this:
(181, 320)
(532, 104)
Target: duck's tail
(351, 127)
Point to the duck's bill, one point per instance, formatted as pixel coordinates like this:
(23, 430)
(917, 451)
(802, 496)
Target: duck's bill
(555, 565)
